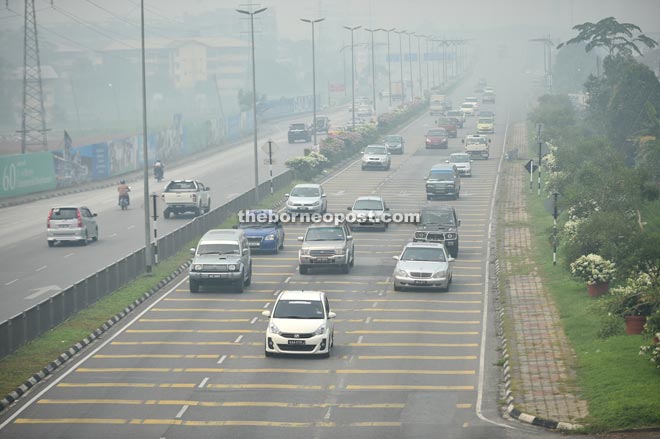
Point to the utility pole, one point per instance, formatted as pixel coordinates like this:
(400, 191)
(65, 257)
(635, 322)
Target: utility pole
(389, 64)
(33, 122)
(419, 64)
(403, 87)
(145, 149)
(314, 128)
(538, 138)
(412, 85)
(352, 29)
(373, 68)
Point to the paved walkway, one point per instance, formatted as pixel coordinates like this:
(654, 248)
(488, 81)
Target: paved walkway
(541, 361)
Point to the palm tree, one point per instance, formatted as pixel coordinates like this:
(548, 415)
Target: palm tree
(617, 37)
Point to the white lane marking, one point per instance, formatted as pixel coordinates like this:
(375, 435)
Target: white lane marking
(11, 282)
(203, 383)
(41, 268)
(71, 369)
(181, 412)
(132, 226)
(222, 359)
(368, 320)
(113, 235)
(374, 305)
(360, 339)
(238, 339)
(286, 281)
(254, 320)
(340, 192)
(69, 255)
(267, 305)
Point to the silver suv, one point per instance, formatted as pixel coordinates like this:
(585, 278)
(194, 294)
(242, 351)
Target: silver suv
(222, 257)
(71, 223)
(377, 157)
(327, 245)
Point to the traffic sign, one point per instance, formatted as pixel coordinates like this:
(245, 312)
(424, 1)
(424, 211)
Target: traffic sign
(531, 166)
(268, 162)
(273, 147)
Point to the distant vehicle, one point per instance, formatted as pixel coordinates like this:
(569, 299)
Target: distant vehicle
(364, 111)
(443, 180)
(327, 245)
(301, 323)
(485, 125)
(485, 113)
(376, 157)
(370, 210)
(71, 224)
(322, 124)
(450, 124)
(423, 265)
(477, 146)
(469, 108)
(306, 198)
(222, 256)
(437, 104)
(265, 236)
(488, 97)
(458, 114)
(394, 143)
(181, 196)
(437, 138)
(463, 162)
(299, 131)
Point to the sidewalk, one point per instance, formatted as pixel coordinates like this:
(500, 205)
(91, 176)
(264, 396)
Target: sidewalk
(539, 372)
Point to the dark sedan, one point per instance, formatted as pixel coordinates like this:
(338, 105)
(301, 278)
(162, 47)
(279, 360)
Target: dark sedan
(394, 143)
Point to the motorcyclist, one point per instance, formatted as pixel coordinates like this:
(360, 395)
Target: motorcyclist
(159, 169)
(123, 190)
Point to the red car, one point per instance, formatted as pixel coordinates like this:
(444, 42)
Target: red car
(437, 138)
(450, 124)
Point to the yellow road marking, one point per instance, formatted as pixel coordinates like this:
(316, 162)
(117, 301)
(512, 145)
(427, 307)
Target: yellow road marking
(138, 385)
(273, 370)
(401, 310)
(409, 300)
(190, 331)
(450, 322)
(361, 331)
(185, 343)
(194, 320)
(405, 372)
(386, 387)
(206, 310)
(463, 406)
(268, 386)
(70, 421)
(416, 345)
(256, 273)
(221, 404)
(416, 357)
(167, 356)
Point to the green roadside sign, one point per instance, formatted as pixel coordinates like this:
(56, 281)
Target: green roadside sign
(24, 174)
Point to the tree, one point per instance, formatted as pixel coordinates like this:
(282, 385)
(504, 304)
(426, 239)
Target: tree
(617, 38)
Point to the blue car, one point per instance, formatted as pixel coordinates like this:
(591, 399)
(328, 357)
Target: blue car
(263, 234)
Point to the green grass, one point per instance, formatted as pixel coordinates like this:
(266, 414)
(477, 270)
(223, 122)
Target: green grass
(622, 388)
(16, 368)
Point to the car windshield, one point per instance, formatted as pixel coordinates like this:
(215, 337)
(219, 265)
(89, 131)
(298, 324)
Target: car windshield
(325, 234)
(305, 192)
(475, 140)
(445, 122)
(471, 99)
(180, 186)
(468, 105)
(441, 174)
(439, 132)
(368, 205)
(297, 126)
(454, 113)
(459, 158)
(219, 249)
(298, 309)
(64, 214)
(424, 254)
(485, 120)
(256, 225)
(430, 217)
(393, 139)
(375, 150)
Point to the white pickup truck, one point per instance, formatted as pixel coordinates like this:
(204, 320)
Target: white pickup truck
(182, 196)
(477, 146)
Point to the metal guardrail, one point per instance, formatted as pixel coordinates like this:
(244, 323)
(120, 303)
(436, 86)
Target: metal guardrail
(34, 321)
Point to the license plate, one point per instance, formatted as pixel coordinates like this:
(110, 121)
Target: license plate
(420, 282)
(255, 244)
(63, 226)
(322, 260)
(216, 275)
(296, 341)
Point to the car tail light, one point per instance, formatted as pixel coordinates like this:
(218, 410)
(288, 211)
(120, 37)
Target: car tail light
(50, 214)
(428, 140)
(80, 223)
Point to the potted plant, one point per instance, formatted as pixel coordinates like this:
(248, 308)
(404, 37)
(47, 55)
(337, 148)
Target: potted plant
(596, 271)
(633, 301)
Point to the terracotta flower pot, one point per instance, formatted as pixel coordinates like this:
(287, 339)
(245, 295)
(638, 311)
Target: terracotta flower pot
(634, 324)
(597, 290)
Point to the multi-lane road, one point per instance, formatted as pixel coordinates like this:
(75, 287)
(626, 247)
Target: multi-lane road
(405, 364)
(31, 271)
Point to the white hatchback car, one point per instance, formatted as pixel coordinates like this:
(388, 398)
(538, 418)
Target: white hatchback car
(301, 323)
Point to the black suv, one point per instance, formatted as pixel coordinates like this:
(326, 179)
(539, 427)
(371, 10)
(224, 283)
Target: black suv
(439, 224)
(299, 131)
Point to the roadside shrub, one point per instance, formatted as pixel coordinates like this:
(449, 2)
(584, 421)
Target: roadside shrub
(308, 166)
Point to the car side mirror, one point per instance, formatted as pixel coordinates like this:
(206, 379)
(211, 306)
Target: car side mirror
(349, 208)
(301, 238)
(286, 195)
(387, 209)
(331, 315)
(207, 188)
(396, 258)
(489, 140)
(450, 259)
(323, 196)
(192, 251)
(265, 313)
(246, 251)
(463, 141)
(446, 161)
(349, 237)
(95, 214)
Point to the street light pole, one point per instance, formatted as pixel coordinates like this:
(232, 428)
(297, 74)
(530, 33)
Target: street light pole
(412, 84)
(352, 29)
(313, 73)
(403, 87)
(373, 68)
(145, 151)
(254, 100)
(419, 64)
(389, 64)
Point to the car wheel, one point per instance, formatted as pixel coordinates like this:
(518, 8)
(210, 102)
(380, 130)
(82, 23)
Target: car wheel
(83, 242)
(96, 237)
(197, 211)
(194, 286)
(397, 288)
(345, 268)
(51, 243)
(303, 270)
(248, 281)
(166, 213)
(208, 206)
(268, 354)
(240, 286)
(428, 198)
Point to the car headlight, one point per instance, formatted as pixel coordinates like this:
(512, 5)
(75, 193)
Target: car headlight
(340, 251)
(428, 140)
(320, 330)
(316, 203)
(269, 238)
(304, 251)
(450, 184)
(400, 273)
(450, 236)
(198, 267)
(439, 274)
(274, 329)
(232, 267)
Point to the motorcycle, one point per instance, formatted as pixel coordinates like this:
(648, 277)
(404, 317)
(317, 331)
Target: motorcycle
(124, 201)
(158, 173)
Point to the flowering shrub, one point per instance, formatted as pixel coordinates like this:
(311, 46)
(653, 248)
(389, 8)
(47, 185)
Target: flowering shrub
(653, 352)
(636, 298)
(307, 166)
(593, 269)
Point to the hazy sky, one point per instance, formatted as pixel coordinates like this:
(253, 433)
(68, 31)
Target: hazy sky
(427, 16)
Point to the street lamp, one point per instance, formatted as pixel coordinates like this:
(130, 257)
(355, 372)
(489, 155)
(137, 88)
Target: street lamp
(403, 87)
(313, 72)
(114, 97)
(145, 151)
(412, 84)
(426, 61)
(373, 68)
(352, 29)
(389, 64)
(547, 59)
(254, 99)
(419, 63)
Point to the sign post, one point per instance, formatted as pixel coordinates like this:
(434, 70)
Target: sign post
(154, 197)
(270, 148)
